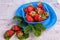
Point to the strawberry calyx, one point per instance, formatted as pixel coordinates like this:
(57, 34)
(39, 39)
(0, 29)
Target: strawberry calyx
(32, 13)
(19, 33)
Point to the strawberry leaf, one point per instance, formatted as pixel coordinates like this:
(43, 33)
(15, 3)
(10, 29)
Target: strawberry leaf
(18, 18)
(6, 38)
(23, 37)
(36, 32)
(39, 27)
(21, 23)
(26, 35)
(27, 29)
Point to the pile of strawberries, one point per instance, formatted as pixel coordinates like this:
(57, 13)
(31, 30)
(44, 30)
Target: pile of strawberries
(15, 29)
(35, 14)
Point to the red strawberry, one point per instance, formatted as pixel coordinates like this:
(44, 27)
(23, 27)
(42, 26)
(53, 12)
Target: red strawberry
(15, 28)
(19, 33)
(29, 18)
(26, 11)
(30, 8)
(10, 33)
(37, 18)
(42, 11)
(40, 5)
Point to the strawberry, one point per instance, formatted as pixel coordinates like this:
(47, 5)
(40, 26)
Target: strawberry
(9, 33)
(30, 8)
(42, 11)
(26, 11)
(15, 28)
(29, 18)
(37, 18)
(19, 33)
(32, 13)
(40, 5)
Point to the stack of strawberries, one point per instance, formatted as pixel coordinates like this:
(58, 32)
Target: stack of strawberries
(15, 29)
(35, 14)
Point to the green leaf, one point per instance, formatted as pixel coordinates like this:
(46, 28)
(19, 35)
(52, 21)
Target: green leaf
(23, 37)
(27, 29)
(36, 32)
(21, 23)
(39, 27)
(18, 18)
(7, 39)
(6, 36)
(26, 35)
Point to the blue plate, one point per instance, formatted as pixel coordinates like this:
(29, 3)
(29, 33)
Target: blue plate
(49, 22)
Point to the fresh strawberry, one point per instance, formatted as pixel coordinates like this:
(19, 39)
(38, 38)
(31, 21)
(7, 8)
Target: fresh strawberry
(19, 33)
(16, 28)
(26, 10)
(30, 8)
(10, 33)
(32, 13)
(40, 5)
(29, 18)
(37, 18)
(42, 11)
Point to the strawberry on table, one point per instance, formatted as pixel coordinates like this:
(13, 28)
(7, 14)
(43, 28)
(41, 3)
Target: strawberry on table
(8, 34)
(30, 8)
(16, 28)
(19, 33)
(29, 18)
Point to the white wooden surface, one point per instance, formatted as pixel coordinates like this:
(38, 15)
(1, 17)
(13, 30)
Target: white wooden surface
(7, 11)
